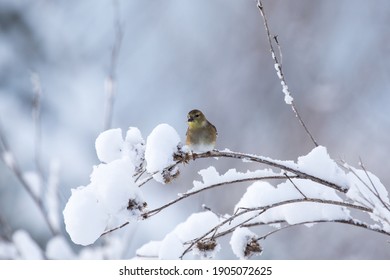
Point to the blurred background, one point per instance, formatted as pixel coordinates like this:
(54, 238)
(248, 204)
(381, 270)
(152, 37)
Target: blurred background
(175, 56)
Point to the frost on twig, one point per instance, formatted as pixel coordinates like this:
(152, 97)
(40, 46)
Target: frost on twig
(288, 99)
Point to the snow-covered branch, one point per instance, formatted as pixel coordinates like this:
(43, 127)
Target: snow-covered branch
(313, 189)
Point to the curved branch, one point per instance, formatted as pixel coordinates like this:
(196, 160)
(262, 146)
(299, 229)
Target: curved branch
(270, 162)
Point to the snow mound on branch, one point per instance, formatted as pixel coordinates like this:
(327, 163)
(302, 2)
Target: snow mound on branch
(211, 176)
(284, 203)
(244, 244)
(85, 218)
(149, 250)
(174, 243)
(111, 146)
(366, 189)
(112, 197)
(318, 163)
(161, 145)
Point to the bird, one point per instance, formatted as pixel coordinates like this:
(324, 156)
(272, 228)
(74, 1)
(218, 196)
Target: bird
(201, 134)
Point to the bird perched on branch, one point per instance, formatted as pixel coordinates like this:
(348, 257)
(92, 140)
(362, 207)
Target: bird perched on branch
(201, 134)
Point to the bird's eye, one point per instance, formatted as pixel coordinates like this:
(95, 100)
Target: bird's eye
(197, 116)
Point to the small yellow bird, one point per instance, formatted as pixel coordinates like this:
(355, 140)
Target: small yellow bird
(201, 134)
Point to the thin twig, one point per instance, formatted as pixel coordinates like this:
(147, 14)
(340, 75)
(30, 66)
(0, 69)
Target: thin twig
(111, 78)
(115, 228)
(291, 181)
(5, 229)
(279, 71)
(14, 167)
(37, 90)
(376, 193)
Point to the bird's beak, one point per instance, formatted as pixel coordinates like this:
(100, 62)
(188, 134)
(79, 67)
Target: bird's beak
(190, 119)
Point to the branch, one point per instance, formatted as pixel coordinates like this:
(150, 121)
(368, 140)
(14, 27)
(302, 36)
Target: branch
(262, 209)
(188, 194)
(375, 191)
(279, 71)
(10, 161)
(269, 162)
(110, 80)
(37, 89)
(351, 222)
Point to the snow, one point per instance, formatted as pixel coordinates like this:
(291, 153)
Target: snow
(26, 246)
(114, 184)
(9, 159)
(211, 176)
(52, 196)
(149, 250)
(109, 145)
(240, 238)
(173, 245)
(366, 189)
(161, 144)
(58, 249)
(34, 182)
(105, 202)
(263, 194)
(288, 99)
(85, 218)
(134, 147)
(317, 163)
(8, 250)
(278, 70)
